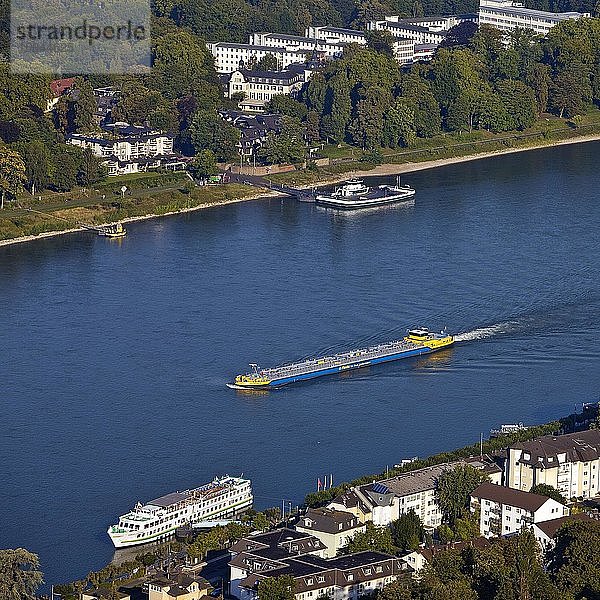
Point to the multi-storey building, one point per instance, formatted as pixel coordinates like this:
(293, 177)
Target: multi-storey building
(412, 31)
(182, 586)
(297, 43)
(335, 528)
(336, 35)
(505, 511)
(259, 87)
(545, 532)
(570, 463)
(384, 501)
(267, 551)
(130, 149)
(507, 15)
(348, 577)
(230, 57)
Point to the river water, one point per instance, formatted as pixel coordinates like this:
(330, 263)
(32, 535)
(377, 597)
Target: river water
(116, 353)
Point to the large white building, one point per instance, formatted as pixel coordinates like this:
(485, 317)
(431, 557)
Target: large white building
(570, 463)
(230, 57)
(259, 87)
(507, 15)
(504, 511)
(130, 149)
(384, 501)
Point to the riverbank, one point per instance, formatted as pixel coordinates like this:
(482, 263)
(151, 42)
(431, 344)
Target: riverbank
(243, 195)
(176, 202)
(308, 179)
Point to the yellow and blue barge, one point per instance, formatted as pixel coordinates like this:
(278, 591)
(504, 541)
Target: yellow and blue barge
(415, 343)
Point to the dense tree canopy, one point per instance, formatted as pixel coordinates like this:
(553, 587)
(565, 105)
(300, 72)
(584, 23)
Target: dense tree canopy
(19, 574)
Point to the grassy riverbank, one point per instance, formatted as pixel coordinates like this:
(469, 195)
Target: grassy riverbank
(154, 194)
(150, 196)
(445, 149)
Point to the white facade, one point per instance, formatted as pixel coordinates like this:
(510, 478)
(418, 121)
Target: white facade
(336, 35)
(384, 501)
(126, 148)
(259, 88)
(230, 57)
(570, 463)
(334, 528)
(507, 15)
(297, 43)
(405, 30)
(504, 511)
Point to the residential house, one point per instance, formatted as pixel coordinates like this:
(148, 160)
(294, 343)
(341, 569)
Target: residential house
(57, 88)
(545, 532)
(106, 100)
(507, 15)
(254, 130)
(505, 511)
(570, 463)
(423, 556)
(268, 551)
(335, 528)
(182, 586)
(348, 577)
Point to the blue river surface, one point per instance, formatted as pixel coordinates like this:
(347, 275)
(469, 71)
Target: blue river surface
(116, 353)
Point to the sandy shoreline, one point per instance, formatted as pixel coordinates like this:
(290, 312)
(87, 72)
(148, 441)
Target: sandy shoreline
(399, 169)
(380, 170)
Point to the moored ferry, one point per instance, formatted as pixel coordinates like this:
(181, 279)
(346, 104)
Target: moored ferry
(417, 342)
(158, 519)
(354, 194)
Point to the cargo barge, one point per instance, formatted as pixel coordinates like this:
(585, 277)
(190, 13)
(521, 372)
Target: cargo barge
(417, 342)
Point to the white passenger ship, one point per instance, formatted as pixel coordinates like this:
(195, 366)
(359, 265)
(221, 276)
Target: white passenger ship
(223, 497)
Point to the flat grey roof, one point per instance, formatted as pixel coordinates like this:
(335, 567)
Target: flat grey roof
(529, 12)
(169, 499)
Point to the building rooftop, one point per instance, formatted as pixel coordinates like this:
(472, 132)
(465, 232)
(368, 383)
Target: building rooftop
(329, 520)
(551, 527)
(509, 496)
(534, 14)
(544, 451)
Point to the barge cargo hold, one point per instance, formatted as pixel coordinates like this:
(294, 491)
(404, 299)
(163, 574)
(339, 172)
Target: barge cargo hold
(417, 342)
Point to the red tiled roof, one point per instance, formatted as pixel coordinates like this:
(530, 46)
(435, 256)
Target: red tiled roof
(58, 86)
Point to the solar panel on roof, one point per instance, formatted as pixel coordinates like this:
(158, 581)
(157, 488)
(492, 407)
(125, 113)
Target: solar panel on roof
(380, 488)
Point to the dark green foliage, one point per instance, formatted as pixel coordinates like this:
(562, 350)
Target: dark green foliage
(203, 165)
(285, 105)
(547, 490)
(574, 561)
(454, 489)
(407, 531)
(277, 588)
(268, 62)
(209, 132)
(460, 35)
(287, 146)
(381, 41)
(378, 539)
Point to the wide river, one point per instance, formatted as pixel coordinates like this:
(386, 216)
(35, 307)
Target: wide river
(116, 353)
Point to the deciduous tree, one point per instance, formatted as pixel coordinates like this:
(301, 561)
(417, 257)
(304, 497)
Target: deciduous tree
(12, 174)
(454, 488)
(19, 574)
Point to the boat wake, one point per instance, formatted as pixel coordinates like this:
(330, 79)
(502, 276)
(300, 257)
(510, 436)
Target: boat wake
(486, 332)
